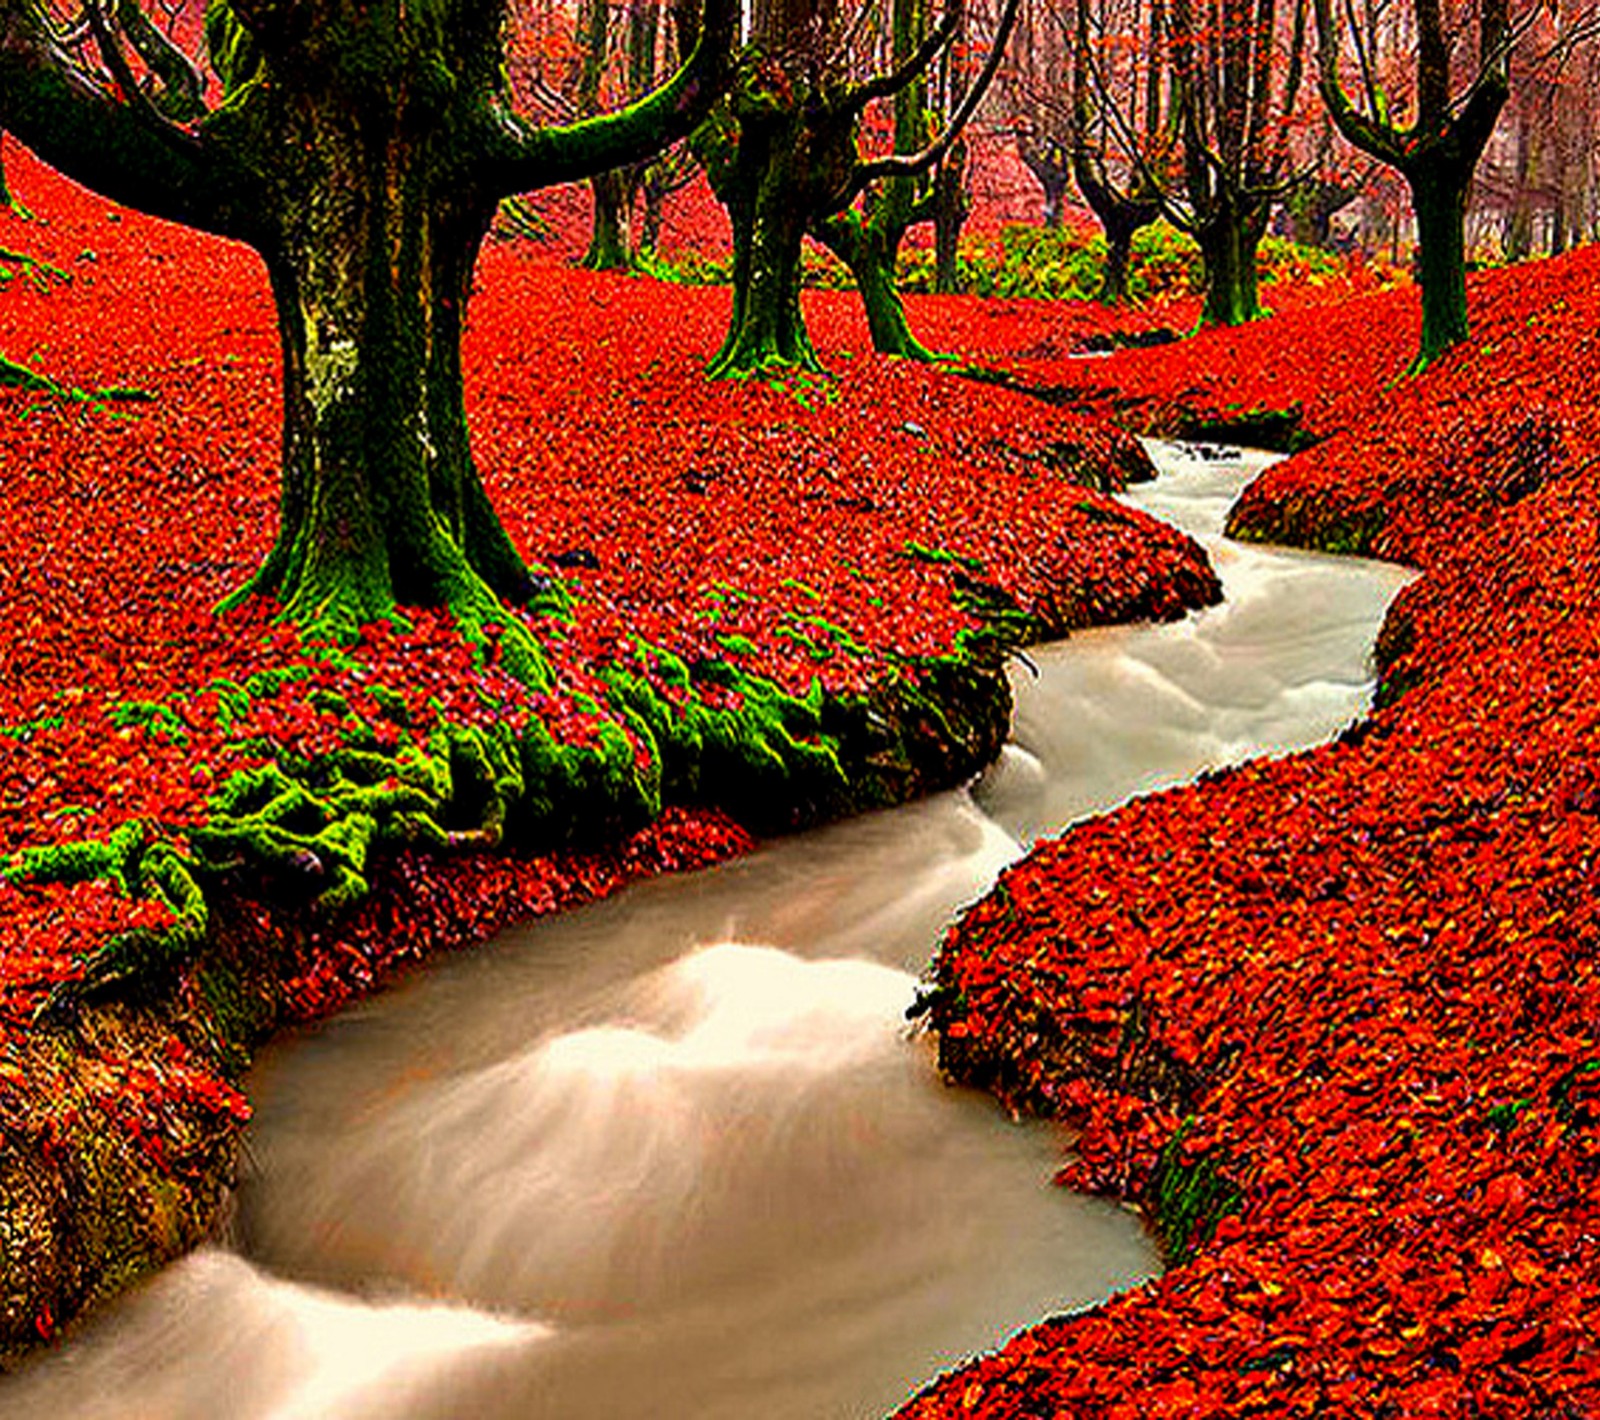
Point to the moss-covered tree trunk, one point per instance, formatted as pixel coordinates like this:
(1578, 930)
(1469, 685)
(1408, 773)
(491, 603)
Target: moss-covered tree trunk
(361, 148)
(867, 238)
(1121, 208)
(1438, 152)
(870, 252)
(652, 219)
(610, 238)
(381, 500)
(1439, 199)
(767, 191)
(1121, 218)
(1119, 261)
(1229, 239)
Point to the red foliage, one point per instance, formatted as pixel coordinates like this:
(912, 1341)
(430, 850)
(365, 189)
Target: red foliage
(1364, 976)
(711, 520)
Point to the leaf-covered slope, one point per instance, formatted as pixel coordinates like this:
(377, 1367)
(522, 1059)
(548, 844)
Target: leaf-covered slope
(1333, 1019)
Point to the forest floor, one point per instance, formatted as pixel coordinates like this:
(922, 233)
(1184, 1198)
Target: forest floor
(1348, 1062)
(1332, 1019)
(833, 552)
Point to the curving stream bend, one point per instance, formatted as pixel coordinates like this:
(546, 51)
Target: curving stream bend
(676, 1154)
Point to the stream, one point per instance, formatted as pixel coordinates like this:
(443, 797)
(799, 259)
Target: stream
(676, 1154)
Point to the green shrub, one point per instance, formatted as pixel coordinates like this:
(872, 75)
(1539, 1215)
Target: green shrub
(1063, 264)
(1035, 263)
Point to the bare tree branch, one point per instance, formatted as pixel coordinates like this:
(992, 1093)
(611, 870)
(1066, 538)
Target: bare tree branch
(911, 164)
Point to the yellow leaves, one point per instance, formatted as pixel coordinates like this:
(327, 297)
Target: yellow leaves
(1526, 1270)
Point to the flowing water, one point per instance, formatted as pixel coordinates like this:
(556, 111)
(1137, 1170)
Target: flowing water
(677, 1155)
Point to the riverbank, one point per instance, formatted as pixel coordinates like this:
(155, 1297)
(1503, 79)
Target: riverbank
(1331, 1019)
(777, 605)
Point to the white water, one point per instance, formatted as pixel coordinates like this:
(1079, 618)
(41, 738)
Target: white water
(676, 1155)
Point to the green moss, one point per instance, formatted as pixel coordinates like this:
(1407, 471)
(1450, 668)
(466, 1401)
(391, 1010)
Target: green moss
(240, 1015)
(708, 733)
(1352, 532)
(1004, 627)
(1572, 1095)
(583, 793)
(29, 728)
(1258, 427)
(777, 761)
(84, 860)
(940, 556)
(1394, 685)
(160, 719)
(20, 377)
(1502, 1118)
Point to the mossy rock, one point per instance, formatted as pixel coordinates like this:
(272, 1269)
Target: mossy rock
(1279, 431)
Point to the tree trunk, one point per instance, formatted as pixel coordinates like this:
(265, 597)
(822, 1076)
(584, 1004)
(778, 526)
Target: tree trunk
(766, 191)
(1120, 230)
(1121, 218)
(1439, 199)
(1228, 241)
(1052, 170)
(1055, 187)
(870, 254)
(1559, 209)
(371, 270)
(949, 216)
(610, 247)
(1311, 208)
(1120, 214)
(1518, 239)
(655, 212)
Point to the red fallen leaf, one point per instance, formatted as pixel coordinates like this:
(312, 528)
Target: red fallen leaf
(1506, 1193)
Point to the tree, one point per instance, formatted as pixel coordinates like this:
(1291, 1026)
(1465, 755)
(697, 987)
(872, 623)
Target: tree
(1048, 156)
(611, 244)
(1438, 151)
(951, 203)
(1115, 164)
(1038, 94)
(1091, 116)
(783, 156)
(867, 237)
(671, 172)
(1187, 109)
(1238, 87)
(1551, 113)
(951, 208)
(1325, 189)
(360, 147)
